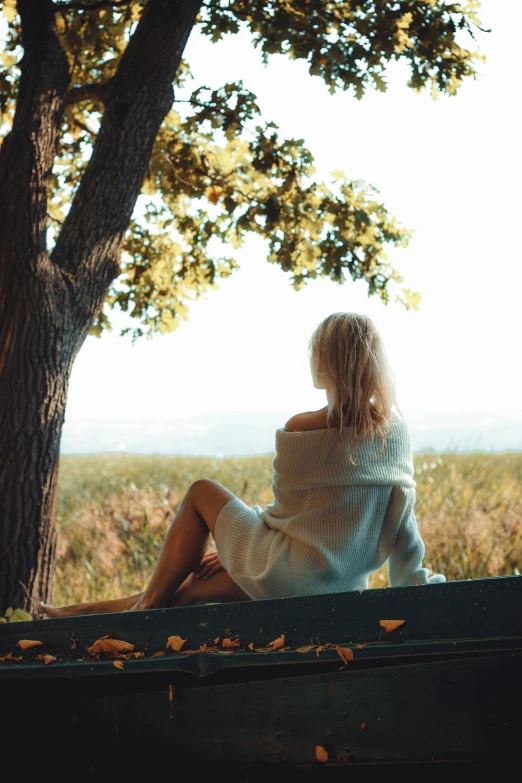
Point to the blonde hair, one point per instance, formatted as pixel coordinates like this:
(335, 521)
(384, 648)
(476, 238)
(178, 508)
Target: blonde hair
(348, 360)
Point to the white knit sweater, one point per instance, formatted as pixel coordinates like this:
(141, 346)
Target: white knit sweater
(332, 523)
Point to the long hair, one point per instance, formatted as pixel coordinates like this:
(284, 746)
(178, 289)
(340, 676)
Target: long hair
(348, 360)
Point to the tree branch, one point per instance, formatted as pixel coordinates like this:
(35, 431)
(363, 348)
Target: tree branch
(136, 100)
(28, 151)
(86, 92)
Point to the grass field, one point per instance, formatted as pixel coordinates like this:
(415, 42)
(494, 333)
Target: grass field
(114, 510)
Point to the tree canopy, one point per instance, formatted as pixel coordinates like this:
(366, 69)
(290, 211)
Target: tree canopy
(219, 170)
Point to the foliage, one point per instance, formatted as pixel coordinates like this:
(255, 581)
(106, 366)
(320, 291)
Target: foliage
(218, 172)
(114, 510)
(15, 616)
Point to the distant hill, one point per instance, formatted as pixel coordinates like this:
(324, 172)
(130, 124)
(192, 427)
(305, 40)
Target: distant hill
(245, 433)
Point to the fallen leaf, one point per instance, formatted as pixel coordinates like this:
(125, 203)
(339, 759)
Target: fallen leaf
(188, 652)
(277, 643)
(138, 654)
(175, 643)
(321, 648)
(225, 652)
(217, 640)
(231, 643)
(11, 657)
(345, 654)
(202, 647)
(321, 754)
(118, 664)
(111, 646)
(391, 625)
(159, 654)
(306, 648)
(360, 646)
(46, 658)
(263, 649)
(251, 646)
(25, 644)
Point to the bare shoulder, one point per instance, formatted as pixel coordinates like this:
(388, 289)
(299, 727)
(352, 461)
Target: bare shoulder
(311, 420)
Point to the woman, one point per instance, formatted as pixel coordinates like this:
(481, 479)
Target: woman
(343, 498)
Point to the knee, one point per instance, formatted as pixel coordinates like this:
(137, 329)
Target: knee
(200, 487)
(199, 490)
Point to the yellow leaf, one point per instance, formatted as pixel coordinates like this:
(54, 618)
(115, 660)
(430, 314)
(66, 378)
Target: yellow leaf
(159, 654)
(391, 625)
(360, 646)
(217, 640)
(11, 657)
(321, 754)
(25, 644)
(306, 648)
(231, 642)
(10, 10)
(345, 654)
(46, 658)
(111, 646)
(277, 643)
(118, 664)
(175, 643)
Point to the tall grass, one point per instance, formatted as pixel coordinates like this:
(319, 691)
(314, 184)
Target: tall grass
(114, 510)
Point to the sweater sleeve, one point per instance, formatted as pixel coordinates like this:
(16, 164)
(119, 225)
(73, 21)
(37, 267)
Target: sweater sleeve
(405, 562)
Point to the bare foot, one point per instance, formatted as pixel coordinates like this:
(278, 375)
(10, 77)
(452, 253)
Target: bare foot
(52, 611)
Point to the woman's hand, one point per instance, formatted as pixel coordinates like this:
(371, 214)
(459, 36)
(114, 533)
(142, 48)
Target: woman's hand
(209, 566)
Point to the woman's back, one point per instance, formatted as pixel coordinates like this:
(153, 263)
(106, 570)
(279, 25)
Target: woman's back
(337, 516)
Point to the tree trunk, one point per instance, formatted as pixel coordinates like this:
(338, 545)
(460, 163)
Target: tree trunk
(48, 301)
(33, 393)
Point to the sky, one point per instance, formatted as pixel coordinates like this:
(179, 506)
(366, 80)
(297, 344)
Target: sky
(450, 169)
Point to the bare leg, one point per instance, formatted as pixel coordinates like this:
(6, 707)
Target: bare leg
(95, 607)
(186, 542)
(220, 588)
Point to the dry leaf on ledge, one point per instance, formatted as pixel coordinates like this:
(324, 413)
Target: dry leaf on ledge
(25, 644)
(46, 658)
(345, 654)
(306, 648)
(111, 646)
(118, 664)
(321, 754)
(231, 642)
(11, 657)
(360, 646)
(277, 643)
(391, 625)
(175, 643)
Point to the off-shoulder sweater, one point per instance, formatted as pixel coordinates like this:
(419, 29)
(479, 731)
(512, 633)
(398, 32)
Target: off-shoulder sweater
(332, 522)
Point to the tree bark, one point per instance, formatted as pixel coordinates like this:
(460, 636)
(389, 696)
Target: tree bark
(48, 301)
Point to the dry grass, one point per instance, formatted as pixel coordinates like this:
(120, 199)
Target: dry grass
(114, 511)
